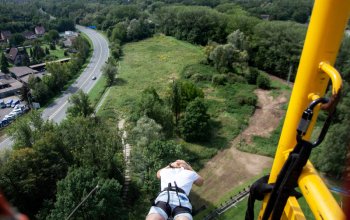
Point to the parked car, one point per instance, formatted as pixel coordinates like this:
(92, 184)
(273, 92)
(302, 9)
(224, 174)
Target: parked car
(2, 104)
(15, 102)
(17, 111)
(9, 118)
(19, 106)
(4, 122)
(8, 103)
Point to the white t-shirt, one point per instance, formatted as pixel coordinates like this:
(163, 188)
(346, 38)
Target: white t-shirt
(183, 178)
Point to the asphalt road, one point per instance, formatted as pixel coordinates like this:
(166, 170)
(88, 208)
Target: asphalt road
(57, 110)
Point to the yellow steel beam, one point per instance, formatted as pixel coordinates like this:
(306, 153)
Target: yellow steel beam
(326, 29)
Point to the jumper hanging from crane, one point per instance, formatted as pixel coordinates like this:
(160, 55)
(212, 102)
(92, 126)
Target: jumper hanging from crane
(291, 167)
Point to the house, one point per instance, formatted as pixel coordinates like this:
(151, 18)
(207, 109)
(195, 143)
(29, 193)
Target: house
(9, 86)
(39, 30)
(70, 34)
(17, 55)
(29, 35)
(69, 41)
(5, 35)
(19, 72)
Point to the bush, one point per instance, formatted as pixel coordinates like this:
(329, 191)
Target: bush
(219, 79)
(252, 76)
(263, 81)
(246, 99)
(234, 78)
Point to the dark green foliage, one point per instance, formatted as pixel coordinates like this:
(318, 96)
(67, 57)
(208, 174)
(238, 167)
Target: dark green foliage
(181, 94)
(138, 29)
(194, 125)
(94, 144)
(16, 40)
(152, 106)
(116, 50)
(52, 46)
(38, 53)
(119, 32)
(51, 36)
(277, 45)
(105, 203)
(263, 81)
(80, 105)
(28, 177)
(47, 51)
(4, 64)
(219, 79)
(110, 71)
(83, 48)
(252, 76)
(192, 23)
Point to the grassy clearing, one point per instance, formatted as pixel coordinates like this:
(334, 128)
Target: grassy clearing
(156, 62)
(152, 62)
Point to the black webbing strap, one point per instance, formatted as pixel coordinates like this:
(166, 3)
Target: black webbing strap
(287, 180)
(257, 192)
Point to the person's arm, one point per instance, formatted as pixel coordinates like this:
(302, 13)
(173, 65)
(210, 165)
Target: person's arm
(199, 181)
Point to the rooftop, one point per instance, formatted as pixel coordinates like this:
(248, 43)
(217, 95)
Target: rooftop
(20, 71)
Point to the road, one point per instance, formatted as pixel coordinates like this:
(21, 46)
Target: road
(56, 111)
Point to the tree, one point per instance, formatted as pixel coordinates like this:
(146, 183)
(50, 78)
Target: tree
(47, 51)
(152, 106)
(237, 39)
(94, 144)
(263, 81)
(28, 178)
(16, 40)
(52, 36)
(110, 70)
(276, 45)
(80, 105)
(194, 125)
(104, 203)
(145, 132)
(182, 92)
(4, 64)
(120, 32)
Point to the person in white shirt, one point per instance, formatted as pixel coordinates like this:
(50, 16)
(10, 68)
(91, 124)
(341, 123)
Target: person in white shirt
(176, 183)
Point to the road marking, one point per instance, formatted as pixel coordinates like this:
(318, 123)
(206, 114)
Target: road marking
(88, 78)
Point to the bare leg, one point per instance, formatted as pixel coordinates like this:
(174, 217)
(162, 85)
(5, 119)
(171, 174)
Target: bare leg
(155, 216)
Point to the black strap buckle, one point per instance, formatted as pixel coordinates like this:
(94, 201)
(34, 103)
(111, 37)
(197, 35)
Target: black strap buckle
(307, 117)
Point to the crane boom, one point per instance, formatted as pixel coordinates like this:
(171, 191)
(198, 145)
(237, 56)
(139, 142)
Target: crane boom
(325, 32)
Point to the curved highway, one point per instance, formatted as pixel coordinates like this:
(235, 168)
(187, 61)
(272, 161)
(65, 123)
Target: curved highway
(57, 110)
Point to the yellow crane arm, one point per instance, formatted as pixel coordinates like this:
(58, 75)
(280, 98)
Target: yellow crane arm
(323, 39)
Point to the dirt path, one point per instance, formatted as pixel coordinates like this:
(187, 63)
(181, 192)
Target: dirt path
(231, 167)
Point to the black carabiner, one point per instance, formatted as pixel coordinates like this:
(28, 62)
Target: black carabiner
(307, 117)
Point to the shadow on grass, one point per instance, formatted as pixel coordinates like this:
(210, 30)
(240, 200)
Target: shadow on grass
(200, 206)
(120, 82)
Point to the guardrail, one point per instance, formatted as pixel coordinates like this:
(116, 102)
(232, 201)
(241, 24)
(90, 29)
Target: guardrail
(223, 207)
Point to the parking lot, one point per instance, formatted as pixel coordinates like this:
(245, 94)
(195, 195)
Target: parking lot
(5, 111)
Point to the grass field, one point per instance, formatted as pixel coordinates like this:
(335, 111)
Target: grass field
(152, 62)
(156, 62)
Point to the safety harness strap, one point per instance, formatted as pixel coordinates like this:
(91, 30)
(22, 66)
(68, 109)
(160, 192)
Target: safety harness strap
(165, 205)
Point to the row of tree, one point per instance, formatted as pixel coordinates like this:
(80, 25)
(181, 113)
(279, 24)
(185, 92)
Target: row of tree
(52, 84)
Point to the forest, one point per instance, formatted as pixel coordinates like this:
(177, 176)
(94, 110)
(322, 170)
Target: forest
(53, 166)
